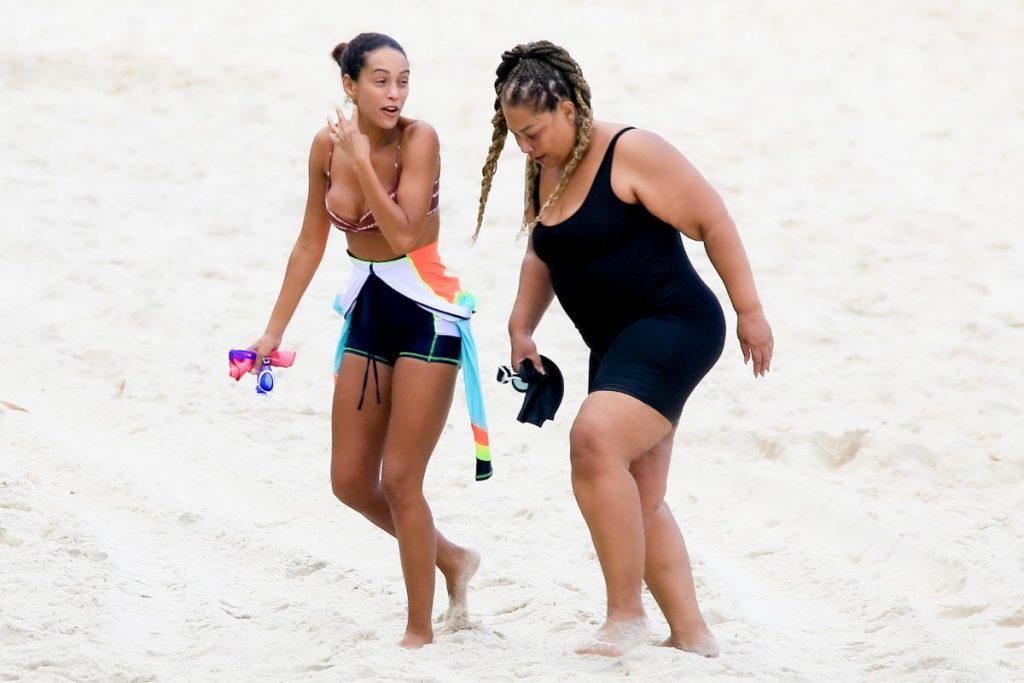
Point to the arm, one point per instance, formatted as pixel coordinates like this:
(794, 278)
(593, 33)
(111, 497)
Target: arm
(673, 190)
(306, 254)
(532, 300)
(402, 220)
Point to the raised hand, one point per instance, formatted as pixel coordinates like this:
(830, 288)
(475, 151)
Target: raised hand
(346, 136)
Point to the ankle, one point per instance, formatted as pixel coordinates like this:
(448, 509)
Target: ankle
(450, 559)
(621, 614)
(426, 631)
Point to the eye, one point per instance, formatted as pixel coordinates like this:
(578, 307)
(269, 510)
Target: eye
(381, 81)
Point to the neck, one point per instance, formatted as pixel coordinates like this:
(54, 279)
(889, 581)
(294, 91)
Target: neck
(379, 137)
(559, 168)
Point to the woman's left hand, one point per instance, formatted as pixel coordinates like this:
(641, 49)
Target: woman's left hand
(756, 340)
(346, 135)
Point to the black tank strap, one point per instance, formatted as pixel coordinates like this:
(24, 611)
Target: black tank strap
(615, 138)
(605, 161)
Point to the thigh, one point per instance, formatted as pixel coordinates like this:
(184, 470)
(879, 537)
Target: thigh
(357, 435)
(616, 425)
(421, 396)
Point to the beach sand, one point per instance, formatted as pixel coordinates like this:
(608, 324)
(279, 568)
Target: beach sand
(855, 516)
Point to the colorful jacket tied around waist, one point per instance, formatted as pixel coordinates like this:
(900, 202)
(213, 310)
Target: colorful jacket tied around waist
(420, 276)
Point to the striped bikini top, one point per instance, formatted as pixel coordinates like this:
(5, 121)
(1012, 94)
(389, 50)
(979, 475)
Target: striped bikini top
(367, 223)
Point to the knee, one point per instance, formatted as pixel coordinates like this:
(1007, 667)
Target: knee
(651, 477)
(650, 506)
(589, 451)
(402, 487)
(354, 491)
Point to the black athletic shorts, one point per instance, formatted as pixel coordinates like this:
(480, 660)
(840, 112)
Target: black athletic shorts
(659, 360)
(386, 325)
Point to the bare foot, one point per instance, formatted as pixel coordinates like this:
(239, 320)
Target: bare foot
(414, 641)
(702, 643)
(457, 616)
(616, 638)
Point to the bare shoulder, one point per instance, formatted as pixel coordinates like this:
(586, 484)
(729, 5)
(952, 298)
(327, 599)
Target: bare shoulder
(640, 149)
(420, 134)
(322, 139)
(651, 169)
(645, 160)
(320, 150)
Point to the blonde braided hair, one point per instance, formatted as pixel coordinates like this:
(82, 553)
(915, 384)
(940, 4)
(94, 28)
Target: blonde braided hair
(540, 74)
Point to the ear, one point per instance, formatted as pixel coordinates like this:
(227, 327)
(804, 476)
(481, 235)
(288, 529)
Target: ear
(568, 110)
(348, 85)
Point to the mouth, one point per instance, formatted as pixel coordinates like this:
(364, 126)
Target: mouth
(391, 110)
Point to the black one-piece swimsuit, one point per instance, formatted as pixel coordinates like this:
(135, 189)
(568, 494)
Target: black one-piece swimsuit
(653, 327)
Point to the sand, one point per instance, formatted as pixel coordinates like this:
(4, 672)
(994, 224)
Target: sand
(855, 516)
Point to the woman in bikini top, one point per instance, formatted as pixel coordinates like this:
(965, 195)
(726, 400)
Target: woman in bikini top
(382, 167)
(367, 223)
(406, 318)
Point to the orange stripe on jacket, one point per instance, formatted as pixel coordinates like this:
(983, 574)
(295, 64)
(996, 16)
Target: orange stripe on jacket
(430, 269)
(480, 436)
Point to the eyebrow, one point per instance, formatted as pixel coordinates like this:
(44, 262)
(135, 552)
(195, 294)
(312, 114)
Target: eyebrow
(380, 68)
(527, 128)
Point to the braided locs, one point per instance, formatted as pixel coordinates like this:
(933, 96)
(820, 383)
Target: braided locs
(541, 75)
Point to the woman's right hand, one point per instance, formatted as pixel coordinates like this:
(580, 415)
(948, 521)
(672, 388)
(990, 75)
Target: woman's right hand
(523, 347)
(264, 346)
(346, 135)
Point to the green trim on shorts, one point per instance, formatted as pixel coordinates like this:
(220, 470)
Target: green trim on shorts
(431, 358)
(364, 354)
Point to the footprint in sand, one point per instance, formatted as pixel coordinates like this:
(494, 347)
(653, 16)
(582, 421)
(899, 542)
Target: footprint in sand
(304, 567)
(7, 540)
(188, 518)
(234, 611)
(961, 611)
(1014, 621)
(499, 581)
(840, 450)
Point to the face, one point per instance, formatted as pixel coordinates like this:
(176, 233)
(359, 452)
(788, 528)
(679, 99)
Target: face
(382, 87)
(547, 137)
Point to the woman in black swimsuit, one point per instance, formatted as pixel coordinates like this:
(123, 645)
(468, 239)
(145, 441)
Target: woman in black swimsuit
(605, 208)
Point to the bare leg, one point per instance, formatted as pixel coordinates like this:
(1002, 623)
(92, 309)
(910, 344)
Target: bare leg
(611, 430)
(421, 396)
(667, 572)
(357, 448)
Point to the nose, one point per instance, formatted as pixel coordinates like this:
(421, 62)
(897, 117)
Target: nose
(392, 93)
(525, 147)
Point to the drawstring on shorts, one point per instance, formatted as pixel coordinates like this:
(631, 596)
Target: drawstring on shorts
(371, 359)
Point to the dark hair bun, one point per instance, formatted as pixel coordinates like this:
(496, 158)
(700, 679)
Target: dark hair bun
(338, 51)
(351, 56)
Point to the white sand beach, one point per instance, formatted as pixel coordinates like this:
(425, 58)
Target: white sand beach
(857, 515)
